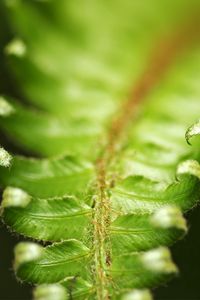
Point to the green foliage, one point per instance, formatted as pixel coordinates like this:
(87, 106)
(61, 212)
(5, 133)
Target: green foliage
(107, 196)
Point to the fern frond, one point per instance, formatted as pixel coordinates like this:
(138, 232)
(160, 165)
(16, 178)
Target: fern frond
(114, 176)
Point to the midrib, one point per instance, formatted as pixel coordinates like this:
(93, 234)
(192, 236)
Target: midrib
(161, 58)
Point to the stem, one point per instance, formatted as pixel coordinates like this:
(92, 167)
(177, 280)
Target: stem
(160, 61)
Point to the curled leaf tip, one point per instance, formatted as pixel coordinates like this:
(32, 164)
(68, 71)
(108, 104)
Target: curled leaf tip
(25, 252)
(50, 292)
(15, 197)
(6, 108)
(192, 131)
(138, 295)
(159, 260)
(5, 158)
(16, 47)
(190, 166)
(169, 216)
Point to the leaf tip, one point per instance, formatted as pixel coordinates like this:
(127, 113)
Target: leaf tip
(190, 166)
(50, 292)
(15, 197)
(5, 158)
(138, 295)
(169, 216)
(16, 47)
(159, 260)
(6, 109)
(192, 131)
(25, 252)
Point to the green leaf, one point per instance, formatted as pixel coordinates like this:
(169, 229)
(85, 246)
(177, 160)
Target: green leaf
(141, 270)
(52, 220)
(50, 264)
(49, 178)
(134, 232)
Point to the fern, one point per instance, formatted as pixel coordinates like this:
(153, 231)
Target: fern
(110, 177)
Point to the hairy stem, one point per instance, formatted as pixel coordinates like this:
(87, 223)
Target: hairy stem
(162, 57)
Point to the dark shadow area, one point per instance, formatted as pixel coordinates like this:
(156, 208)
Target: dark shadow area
(10, 289)
(186, 254)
